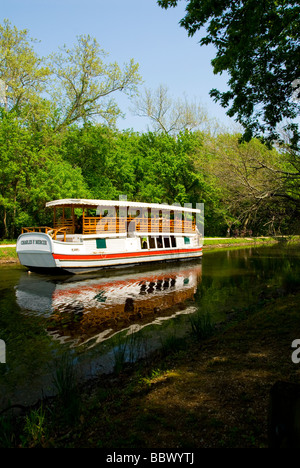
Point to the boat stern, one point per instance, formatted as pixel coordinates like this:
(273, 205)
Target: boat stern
(35, 250)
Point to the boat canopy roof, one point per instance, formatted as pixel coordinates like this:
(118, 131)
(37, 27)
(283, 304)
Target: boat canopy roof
(81, 202)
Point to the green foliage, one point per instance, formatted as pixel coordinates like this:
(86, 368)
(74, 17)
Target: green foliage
(74, 85)
(257, 44)
(85, 83)
(31, 173)
(260, 186)
(7, 436)
(22, 73)
(201, 325)
(35, 432)
(148, 167)
(239, 184)
(52, 149)
(65, 380)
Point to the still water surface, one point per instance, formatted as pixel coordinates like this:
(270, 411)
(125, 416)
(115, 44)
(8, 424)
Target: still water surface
(102, 317)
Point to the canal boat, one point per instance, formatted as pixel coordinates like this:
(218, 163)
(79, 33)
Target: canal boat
(88, 235)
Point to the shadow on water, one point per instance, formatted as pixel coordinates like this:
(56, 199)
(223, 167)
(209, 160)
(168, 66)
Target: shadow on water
(102, 318)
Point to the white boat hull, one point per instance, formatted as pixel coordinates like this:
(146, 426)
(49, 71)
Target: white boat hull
(38, 251)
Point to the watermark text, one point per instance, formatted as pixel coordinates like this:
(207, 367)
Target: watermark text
(296, 353)
(2, 352)
(152, 457)
(296, 93)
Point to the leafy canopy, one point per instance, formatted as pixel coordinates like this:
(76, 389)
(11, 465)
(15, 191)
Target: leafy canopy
(85, 82)
(257, 44)
(73, 85)
(22, 73)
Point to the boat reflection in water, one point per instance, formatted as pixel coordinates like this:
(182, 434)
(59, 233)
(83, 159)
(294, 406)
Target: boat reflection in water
(90, 310)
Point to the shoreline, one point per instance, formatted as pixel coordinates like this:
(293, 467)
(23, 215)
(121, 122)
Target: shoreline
(209, 393)
(197, 393)
(10, 257)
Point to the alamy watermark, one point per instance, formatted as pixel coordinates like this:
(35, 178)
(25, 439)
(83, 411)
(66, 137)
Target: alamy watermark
(296, 93)
(173, 218)
(296, 353)
(2, 352)
(2, 93)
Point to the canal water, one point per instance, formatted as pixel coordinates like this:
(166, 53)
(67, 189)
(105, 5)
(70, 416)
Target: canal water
(108, 318)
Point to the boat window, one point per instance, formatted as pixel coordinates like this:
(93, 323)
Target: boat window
(144, 243)
(187, 240)
(173, 241)
(159, 242)
(152, 243)
(167, 242)
(101, 243)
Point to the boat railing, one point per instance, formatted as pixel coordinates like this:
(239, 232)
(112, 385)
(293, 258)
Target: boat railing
(65, 223)
(52, 232)
(98, 224)
(94, 225)
(36, 229)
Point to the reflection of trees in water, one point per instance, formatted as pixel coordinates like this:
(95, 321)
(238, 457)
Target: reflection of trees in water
(245, 281)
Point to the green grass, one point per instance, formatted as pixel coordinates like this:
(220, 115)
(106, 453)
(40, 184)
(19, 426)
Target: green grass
(238, 240)
(35, 432)
(248, 240)
(8, 253)
(201, 324)
(8, 241)
(65, 381)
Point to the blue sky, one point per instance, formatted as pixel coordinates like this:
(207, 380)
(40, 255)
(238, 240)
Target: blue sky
(126, 29)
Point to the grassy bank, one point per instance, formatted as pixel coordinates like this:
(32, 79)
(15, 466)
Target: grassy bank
(218, 242)
(208, 392)
(8, 254)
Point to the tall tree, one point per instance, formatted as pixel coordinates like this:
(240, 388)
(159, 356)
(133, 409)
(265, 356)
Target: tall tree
(86, 83)
(168, 115)
(74, 85)
(23, 74)
(257, 44)
(260, 186)
(31, 174)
